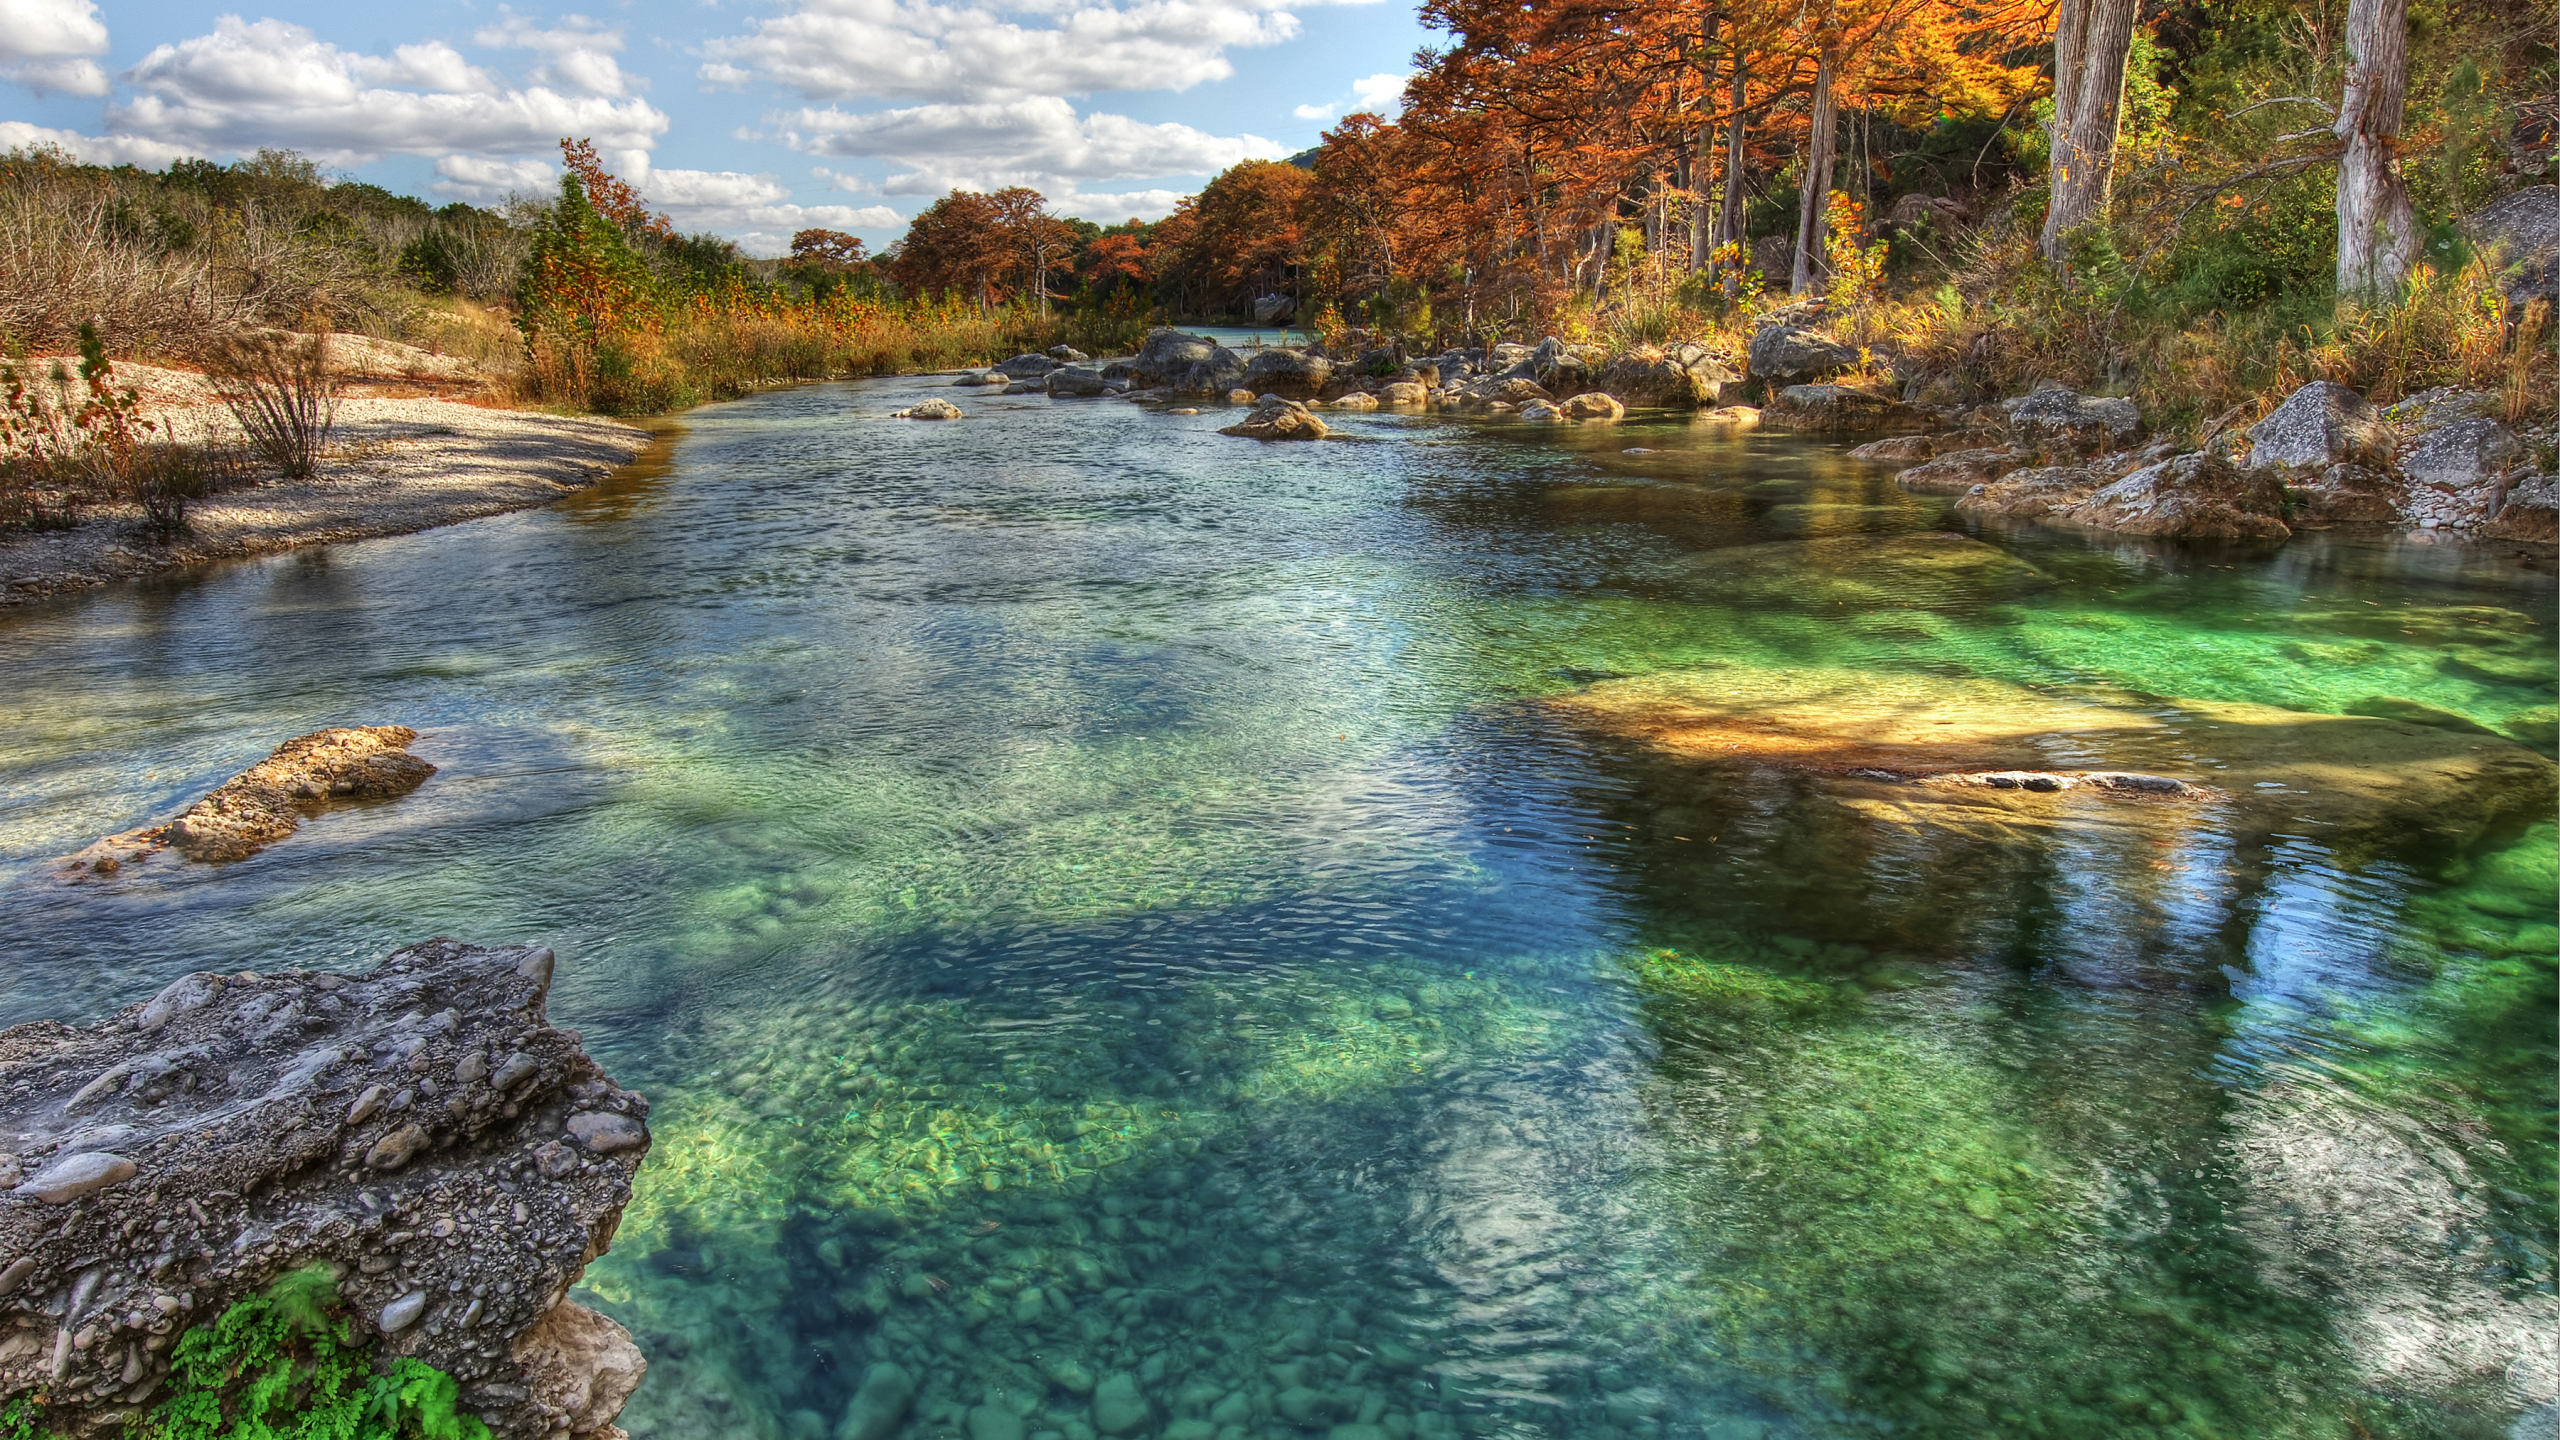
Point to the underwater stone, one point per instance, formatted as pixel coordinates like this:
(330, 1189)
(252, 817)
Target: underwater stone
(879, 1406)
(994, 1422)
(1070, 1375)
(1119, 1406)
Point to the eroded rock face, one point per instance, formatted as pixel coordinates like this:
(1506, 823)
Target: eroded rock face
(267, 802)
(2318, 426)
(421, 1129)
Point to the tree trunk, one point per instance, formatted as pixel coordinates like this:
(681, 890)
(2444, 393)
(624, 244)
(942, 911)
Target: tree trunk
(2377, 237)
(1816, 191)
(1729, 214)
(2084, 138)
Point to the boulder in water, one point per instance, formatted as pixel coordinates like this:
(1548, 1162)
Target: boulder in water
(941, 409)
(268, 801)
(2033, 494)
(1076, 382)
(1185, 364)
(2194, 496)
(1293, 373)
(1959, 471)
(1278, 419)
(1593, 405)
(1028, 366)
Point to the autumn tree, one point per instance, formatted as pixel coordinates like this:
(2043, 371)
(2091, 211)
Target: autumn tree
(1243, 234)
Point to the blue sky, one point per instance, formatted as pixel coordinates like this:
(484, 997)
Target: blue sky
(751, 118)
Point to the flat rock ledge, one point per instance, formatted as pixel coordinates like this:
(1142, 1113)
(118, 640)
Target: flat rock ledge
(267, 802)
(421, 1130)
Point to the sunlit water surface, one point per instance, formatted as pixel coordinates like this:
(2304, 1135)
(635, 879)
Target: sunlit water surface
(1108, 927)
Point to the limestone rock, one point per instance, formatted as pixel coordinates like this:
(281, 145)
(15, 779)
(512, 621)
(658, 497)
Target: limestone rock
(2033, 494)
(2318, 426)
(1783, 351)
(1027, 367)
(268, 801)
(1593, 405)
(1735, 415)
(1539, 412)
(2191, 497)
(1923, 446)
(1959, 471)
(2530, 512)
(1278, 420)
(1357, 400)
(937, 409)
(2521, 233)
(1068, 355)
(1404, 392)
(225, 1100)
(2347, 495)
(2428, 409)
(1825, 407)
(1274, 309)
(1185, 364)
(2067, 420)
(2462, 454)
(1294, 373)
(1686, 378)
(983, 377)
(1076, 382)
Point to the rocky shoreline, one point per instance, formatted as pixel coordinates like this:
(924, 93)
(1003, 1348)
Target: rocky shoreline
(2434, 463)
(419, 1130)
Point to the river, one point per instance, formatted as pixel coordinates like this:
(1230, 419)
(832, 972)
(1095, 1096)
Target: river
(1113, 920)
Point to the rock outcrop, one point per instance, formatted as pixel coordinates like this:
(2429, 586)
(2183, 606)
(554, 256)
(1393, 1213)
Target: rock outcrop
(2321, 425)
(1185, 364)
(2042, 492)
(2347, 495)
(2462, 454)
(1685, 378)
(421, 1130)
(1825, 407)
(1278, 419)
(1959, 471)
(268, 801)
(2191, 497)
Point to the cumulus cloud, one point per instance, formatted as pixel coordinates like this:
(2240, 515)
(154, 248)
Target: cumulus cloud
(920, 50)
(1039, 141)
(578, 52)
(271, 83)
(480, 179)
(1380, 94)
(1113, 208)
(90, 149)
(47, 45)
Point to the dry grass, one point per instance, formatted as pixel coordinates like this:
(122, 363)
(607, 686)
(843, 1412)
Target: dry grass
(278, 387)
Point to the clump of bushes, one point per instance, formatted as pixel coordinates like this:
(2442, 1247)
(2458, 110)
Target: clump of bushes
(67, 444)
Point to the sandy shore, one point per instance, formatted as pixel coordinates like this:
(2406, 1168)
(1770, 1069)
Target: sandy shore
(396, 465)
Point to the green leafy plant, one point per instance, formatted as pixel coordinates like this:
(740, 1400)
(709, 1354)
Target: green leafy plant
(283, 1364)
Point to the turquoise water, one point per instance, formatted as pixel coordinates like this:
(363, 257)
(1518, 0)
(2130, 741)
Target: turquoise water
(1114, 923)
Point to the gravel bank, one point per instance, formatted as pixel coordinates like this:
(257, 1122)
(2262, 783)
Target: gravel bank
(397, 466)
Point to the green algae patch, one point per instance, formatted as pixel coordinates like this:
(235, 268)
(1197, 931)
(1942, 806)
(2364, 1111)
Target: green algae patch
(1863, 572)
(1727, 992)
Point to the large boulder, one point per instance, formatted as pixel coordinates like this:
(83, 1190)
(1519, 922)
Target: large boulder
(1593, 405)
(1826, 407)
(1274, 309)
(1278, 419)
(1068, 355)
(1294, 373)
(1028, 367)
(419, 1130)
(1558, 366)
(1185, 364)
(2057, 419)
(1686, 378)
(2039, 493)
(1513, 390)
(938, 408)
(1076, 382)
(2462, 454)
(1403, 392)
(2196, 496)
(2521, 235)
(2320, 425)
(1782, 352)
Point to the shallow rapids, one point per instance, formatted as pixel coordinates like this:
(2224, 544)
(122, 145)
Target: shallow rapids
(1163, 937)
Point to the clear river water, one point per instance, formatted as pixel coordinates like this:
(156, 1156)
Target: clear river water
(1114, 921)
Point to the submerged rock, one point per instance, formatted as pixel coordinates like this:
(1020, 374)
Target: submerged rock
(242, 1150)
(268, 801)
(1861, 572)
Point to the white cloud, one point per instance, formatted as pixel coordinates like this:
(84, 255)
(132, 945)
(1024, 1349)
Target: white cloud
(90, 149)
(1112, 209)
(1039, 141)
(1381, 94)
(920, 50)
(579, 52)
(271, 83)
(481, 180)
(47, 45)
